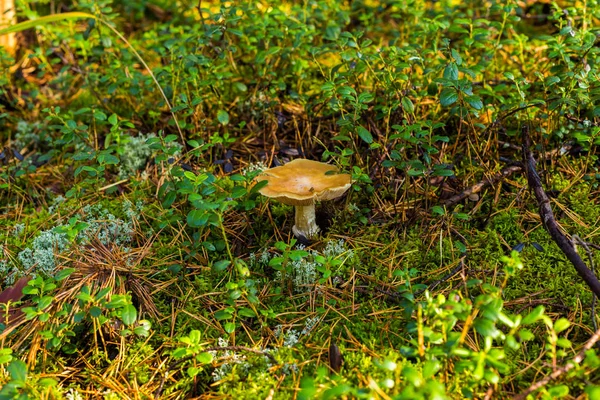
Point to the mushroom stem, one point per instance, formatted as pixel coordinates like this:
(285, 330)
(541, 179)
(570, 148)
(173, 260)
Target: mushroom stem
(305, 221)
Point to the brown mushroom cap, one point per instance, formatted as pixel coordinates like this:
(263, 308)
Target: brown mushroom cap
(301, 182)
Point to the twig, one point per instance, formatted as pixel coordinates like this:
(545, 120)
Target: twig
(548, 220)
(443, 279)
(566, 368)
(577, 120)
(478, 187)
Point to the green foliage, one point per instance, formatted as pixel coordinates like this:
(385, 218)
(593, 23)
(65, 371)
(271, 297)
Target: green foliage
(131, 136)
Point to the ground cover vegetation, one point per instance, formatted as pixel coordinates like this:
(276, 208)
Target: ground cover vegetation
(139, 261)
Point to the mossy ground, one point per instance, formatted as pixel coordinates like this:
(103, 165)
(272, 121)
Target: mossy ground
(178, 280)
(368, 325)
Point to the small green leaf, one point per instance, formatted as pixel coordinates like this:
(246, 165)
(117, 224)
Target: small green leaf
(559, 391)
(593, 391)
(47, 383)
(533, 316)
(238, 191)
(438, 210)
(456, 56)
(221, 265)
(485, 327)
(246, 312)
(526, 335)
(448, 97)
(561, 324)
(223, 117)
(223, 314)
(229, 327)
(475, 102)
(17, 370)
(128, 314)
(442, 172)
(64, 273)
(204, 358)
(195, 336)
(408, 105)
(364, 134)
(95, 311)
(451, 72)
(44, 302)
(197, 218)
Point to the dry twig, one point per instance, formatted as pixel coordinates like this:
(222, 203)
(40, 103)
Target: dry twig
(566, 368)
(478, 187)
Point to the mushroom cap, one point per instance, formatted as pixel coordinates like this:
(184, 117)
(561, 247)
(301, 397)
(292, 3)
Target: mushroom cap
(302, 182)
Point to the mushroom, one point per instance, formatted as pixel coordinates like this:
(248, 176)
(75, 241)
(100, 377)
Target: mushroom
(300, 183)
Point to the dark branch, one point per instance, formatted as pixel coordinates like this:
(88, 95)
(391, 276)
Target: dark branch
(547, 216)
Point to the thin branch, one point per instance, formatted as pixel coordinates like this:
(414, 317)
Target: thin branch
(548, 220)
(566, 368)
(478, 187)
(445, 278)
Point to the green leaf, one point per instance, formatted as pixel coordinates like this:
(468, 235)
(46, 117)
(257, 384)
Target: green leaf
(229, 327)
(442, 172)
(475, 102)
(223, 117)
(526, 335)
(246, 312)
(109, 159)
(456, 56)
(559, 391)
(64, 273)
(197, 218)
(44, 302)
(364, 134)
(95, 311)
(561, 324)
(128, 314)
(485, 327)
(223, 314)
(238, 191)
(437, 210)
(592, 391)
(533, 316)
(47, 383)
(408, 105)
(17, 370)
(117, 301)
(451, 72)
(169, 199)
(195, 336)
(5, 355)
(204, 358)
(448, 97)
(221, 265)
